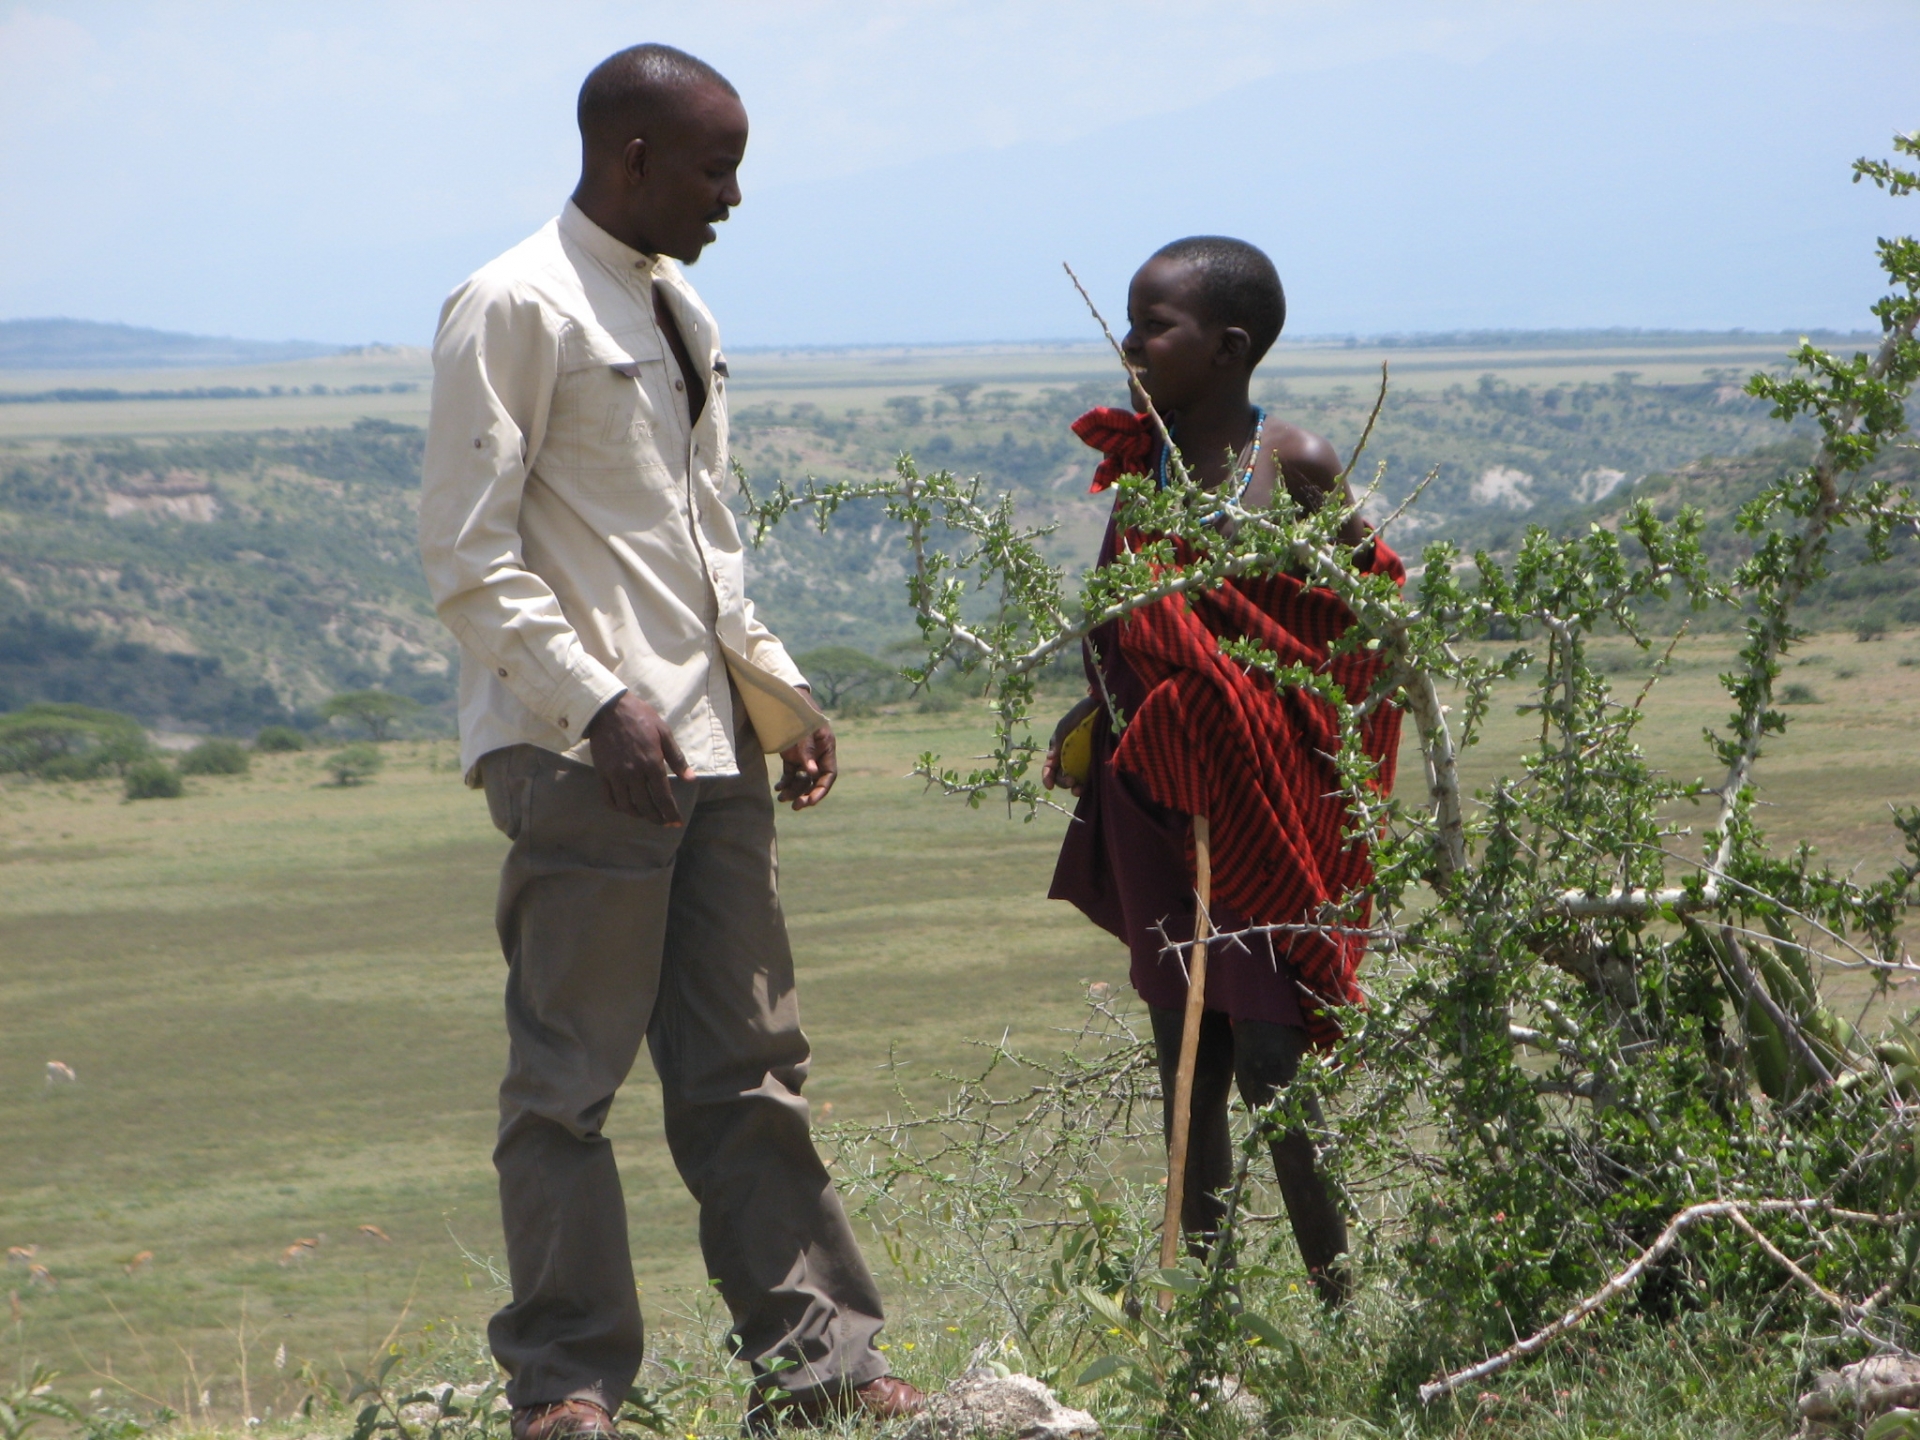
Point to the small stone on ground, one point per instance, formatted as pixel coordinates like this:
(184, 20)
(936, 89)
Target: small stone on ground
(982, 1405)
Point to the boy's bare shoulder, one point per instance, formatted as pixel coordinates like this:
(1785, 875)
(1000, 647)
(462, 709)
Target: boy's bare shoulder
(1302, 453)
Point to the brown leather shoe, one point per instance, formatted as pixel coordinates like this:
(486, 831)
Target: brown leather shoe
(561, 1421)
(888, 1398)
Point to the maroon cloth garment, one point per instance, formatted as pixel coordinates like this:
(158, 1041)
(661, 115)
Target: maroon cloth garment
(1128, 443)
(1204, 737)
(1125, 863)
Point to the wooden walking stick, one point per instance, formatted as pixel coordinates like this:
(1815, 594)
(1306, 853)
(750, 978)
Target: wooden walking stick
(1189, 1051)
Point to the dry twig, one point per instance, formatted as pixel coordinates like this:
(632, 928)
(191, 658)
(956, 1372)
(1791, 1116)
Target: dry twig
(1693, 1215)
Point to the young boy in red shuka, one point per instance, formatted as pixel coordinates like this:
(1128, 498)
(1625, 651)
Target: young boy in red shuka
(1203, 737)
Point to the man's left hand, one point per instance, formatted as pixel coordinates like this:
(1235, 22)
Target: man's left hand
(808, 770)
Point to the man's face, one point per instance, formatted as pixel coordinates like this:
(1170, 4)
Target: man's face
(685, 179)
(1172, 344)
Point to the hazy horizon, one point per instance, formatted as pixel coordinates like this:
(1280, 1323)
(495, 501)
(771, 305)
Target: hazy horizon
(918, 173)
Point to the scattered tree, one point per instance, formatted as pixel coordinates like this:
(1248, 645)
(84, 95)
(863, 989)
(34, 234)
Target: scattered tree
(152, 779)
(839, 672)
(216, 757)
(279, 739)
(355, 764)
(70, 742)
(961, 392)
(376, 711)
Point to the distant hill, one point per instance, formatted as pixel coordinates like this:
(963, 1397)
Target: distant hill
(225, 580)
(1612, 339)
(88, 345)
(219, 581)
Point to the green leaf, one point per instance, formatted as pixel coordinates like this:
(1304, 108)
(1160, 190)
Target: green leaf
(1262, 1329)
(1105, 1306)
(1895, 1425)
(1100, 1369)
(1792, 956)
(1178, 1281)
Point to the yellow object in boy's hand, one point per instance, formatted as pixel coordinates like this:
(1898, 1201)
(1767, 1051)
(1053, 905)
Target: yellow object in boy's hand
(1076, 751)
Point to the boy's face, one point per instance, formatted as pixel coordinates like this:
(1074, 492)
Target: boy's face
(1180, 354)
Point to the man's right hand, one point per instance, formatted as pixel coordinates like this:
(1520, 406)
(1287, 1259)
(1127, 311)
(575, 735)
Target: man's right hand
(634, 753)
(1050, 775)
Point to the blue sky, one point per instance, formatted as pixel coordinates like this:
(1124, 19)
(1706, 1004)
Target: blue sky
(919, 169)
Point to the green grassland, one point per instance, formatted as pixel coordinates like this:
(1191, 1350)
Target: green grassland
(281, 1000)
(281, 997)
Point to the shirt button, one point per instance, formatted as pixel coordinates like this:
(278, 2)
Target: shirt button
(679, 384)
(563, 722)
(503, 673)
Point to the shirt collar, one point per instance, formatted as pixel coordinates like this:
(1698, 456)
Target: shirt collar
(615, 254)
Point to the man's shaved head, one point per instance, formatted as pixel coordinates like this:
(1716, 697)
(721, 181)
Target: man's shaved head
(662, 136)
(1237, 284)
(630, 92)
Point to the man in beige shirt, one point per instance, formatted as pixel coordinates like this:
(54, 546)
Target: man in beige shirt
(617, 698)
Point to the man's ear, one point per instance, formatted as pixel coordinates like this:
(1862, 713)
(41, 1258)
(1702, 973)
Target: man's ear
(633, 160)
(1235, 346)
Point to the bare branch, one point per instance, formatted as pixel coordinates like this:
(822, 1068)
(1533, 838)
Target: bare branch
(1367, 433)
(1693, 1215)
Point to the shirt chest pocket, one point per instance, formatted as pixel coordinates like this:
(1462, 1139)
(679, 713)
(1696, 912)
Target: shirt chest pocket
(610, 431)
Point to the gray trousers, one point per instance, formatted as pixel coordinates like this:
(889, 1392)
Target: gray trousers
(616, 928)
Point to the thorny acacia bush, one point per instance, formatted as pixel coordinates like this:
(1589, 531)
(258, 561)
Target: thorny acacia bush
(1595, 989)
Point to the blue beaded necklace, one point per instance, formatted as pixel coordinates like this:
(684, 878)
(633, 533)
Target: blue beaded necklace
(1246, 473)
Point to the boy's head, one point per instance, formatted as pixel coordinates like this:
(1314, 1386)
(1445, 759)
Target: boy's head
(1201, 313)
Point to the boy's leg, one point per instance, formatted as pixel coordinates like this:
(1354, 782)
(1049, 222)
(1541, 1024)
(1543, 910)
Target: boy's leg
(582, 913)
(1266, 1057)
(726, 1041)
(1209, 1142)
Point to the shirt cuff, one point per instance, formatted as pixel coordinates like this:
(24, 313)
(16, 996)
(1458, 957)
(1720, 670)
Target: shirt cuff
(775, 660)
(587, 729)
(580, 697)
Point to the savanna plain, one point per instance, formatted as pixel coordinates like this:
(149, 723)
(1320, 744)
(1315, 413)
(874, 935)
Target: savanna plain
(279, 997)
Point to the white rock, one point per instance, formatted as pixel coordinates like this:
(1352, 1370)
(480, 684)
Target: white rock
(1843, 1400)
(1238, 1401)
(981, 1405)
(425, 1412)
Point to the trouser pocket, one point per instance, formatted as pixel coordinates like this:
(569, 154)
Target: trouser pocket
(506, 784)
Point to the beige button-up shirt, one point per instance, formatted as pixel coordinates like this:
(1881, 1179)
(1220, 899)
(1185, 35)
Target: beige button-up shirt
(574, 533)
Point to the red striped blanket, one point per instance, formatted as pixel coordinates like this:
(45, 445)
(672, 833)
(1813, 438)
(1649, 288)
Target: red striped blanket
(1213, 739)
